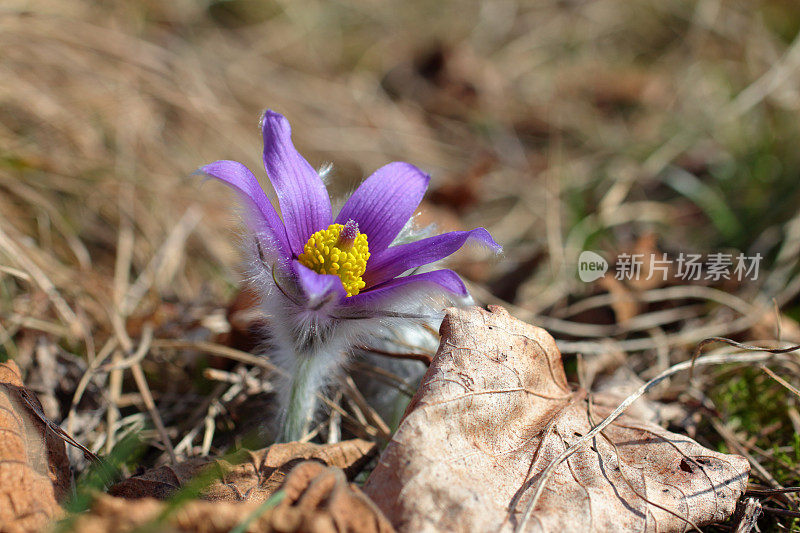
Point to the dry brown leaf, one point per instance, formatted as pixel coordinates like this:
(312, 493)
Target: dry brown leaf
(110, 515)
(34, 469)
(315, 489)
(253, 479)
(318, 499)
(494, 409)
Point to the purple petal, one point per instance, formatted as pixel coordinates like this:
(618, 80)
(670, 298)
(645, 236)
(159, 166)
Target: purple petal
(393, 261)
(305, 205)
(384, 202)
(444, 279)
(320, 290)
(243, 181)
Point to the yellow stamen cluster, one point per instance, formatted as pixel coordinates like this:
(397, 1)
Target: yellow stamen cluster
(326, 253)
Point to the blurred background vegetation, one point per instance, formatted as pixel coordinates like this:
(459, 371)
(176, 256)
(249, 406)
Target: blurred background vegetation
(658, 126)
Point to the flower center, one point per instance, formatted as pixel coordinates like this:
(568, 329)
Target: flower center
(340, 250)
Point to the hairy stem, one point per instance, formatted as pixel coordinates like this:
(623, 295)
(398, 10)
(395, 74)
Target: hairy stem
(302, 399)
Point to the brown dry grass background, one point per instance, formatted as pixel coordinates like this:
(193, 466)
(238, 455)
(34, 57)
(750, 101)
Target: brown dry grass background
(611, 125)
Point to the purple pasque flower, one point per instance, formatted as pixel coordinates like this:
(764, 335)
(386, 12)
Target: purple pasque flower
(326, 283)
(379, 209)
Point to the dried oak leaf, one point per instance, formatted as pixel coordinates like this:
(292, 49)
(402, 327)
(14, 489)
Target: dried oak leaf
(318, 499)
(34, 469)
(494, 410)
(250, 476)
(323, 496)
